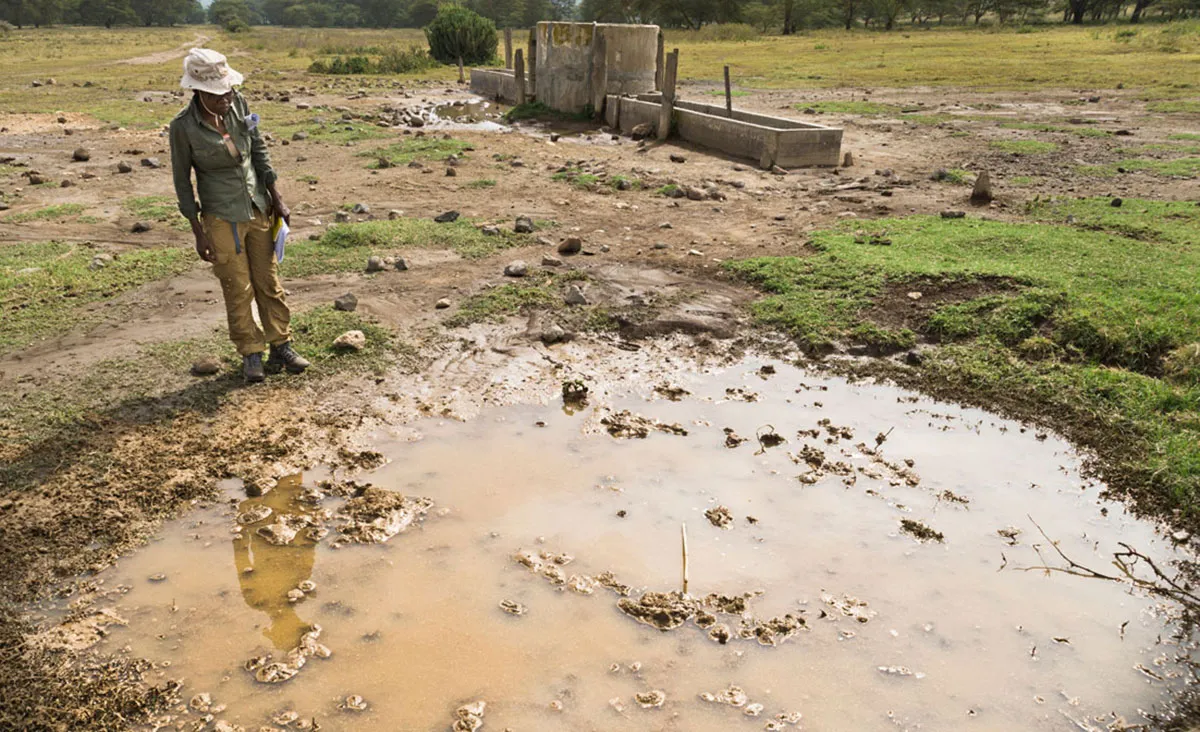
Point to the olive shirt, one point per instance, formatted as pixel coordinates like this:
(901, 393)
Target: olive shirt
(229, 190)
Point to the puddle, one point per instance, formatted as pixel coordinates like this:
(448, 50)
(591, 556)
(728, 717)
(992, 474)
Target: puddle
(876, 624)
(476, 114)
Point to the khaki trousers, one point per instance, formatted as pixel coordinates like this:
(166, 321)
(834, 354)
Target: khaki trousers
(249, 274)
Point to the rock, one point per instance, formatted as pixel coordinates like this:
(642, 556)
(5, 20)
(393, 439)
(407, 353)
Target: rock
(694, 194)
(677, 158)
(416, 165)
(383, 163)
(660, 245)
(299, 135)
(1181, 536)
(375, 264)
(3, 206)
(982, 193)
(341, 217)
(642, 131)
(66, 183)
(395, 214)
(554, 137)
(303, 105)
(553, 334)
(442, 304)
(575, 296)
(100, 261)
(351, 340)
(954, 214)
(776, 170)
(206, 366)
(570, 245)
(346, 303)
(361, 208)
(151, 163)
(490, 230)
(124, 167)
(516, 268)
(1116, 203)
(524, 225)
(548, 261)
(446, 218)
(848, 160)
(81, 155)
(35, 179)
(141, 227)
(401, 264)
(544, 241)
(451, 172)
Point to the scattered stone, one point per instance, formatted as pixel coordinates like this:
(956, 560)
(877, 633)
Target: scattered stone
(660, 245)
(848, 160)
(375, 264)
(100, 261)
(1116, 203)
(1181, 536)
(575, 296)
(81, 155)
(553, 334)
(351, 340)
(554, 136)
(400, 264)
(141, 227)
(982, 193)
(642, 131)
(35, 179)
(446, 218)
(549, 261)
(353, 703)
(650, 699)
(303, 105)
(776, 170)
(341, 217)
(513, 608)
(299, 135)
(383, 163)
(451, 172)
(347, 303)
(677, 158)
(206, 366)
(442, 304)
(954, 214)
(151, 163)
(516, 268)
(524, 225)
(627, 424)
(66, 183)
(361, 208)
(395, 214)
(920, 531)
(721, 517)
(570, 245)
(377, 515)
(469, 717)
(693, 193)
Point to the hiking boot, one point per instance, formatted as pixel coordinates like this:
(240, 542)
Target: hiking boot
(284, 356)
(252, 368)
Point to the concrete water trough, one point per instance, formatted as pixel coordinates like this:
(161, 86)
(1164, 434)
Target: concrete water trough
(768, 140)
(498, 85)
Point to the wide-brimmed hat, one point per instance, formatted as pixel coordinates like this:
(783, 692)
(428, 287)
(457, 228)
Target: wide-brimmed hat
(208, 71)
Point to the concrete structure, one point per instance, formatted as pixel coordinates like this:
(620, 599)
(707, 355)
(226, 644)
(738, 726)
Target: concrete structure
(579, 64)
(768, 140)
(497, 84)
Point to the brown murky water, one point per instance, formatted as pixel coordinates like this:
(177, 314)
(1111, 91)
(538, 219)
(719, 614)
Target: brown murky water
(955, 637)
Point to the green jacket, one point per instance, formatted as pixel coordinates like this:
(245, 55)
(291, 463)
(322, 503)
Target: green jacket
(228, 189)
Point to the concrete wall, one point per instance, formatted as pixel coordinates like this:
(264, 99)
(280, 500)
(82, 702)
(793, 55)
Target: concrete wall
(497, 84)
(579, 64)
(768, 140)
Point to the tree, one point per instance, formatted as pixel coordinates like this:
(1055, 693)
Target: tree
(232, 15)
(107, 13)
(459, 35)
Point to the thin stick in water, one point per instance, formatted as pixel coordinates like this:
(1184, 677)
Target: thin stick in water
(683, 534)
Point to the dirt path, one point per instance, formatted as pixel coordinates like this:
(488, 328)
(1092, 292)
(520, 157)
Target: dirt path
(164, 56)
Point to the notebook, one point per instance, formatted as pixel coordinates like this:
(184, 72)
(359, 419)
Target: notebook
(279, 231)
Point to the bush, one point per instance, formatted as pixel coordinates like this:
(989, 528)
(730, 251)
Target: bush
(458, 33)
(392, 61)
(727, 32)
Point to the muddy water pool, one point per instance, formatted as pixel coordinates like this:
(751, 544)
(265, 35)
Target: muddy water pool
(955, 636)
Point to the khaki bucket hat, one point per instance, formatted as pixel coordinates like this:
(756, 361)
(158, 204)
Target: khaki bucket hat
(208, 71)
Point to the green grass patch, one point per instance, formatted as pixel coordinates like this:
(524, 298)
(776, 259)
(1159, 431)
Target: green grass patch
(1024, 147)
(667, 190)
(732, 93)
(577, 178)
(1177, 168)
(860, 108)
(1184, 136)
(312, 180)
(1022, 181)
(1175, 106)
(428, 147)
(44, 287)
(48, 213)
(345, 247)
(1069, 130)
(482, 183)
(497, 303)
(157, 208)
(1170, 222)
(539, 111)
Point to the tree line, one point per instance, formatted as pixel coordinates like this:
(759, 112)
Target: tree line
(766, 16)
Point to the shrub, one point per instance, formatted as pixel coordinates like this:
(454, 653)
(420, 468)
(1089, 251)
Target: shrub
(727, 32)
(458, 33)
(392, 61)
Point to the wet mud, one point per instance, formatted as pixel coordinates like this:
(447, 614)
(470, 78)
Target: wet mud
(523, 570)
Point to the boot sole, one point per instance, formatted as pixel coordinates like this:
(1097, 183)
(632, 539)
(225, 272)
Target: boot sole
(272, 370)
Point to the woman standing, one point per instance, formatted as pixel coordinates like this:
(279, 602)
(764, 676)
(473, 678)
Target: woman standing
(218, 137)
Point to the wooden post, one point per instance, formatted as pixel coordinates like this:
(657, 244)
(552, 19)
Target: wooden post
(658, 64)
(519, 74)
(462, 79)
(508, 57)
(728, 95)
(668, 95)
(533, 60)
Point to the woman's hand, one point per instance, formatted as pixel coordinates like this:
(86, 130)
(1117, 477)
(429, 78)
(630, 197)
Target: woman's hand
(279, 208)
(204, 245)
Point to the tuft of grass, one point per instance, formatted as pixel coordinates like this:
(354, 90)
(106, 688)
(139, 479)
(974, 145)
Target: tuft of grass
(958, 177)
(666, 190)
(45, 287)
(1175, 106)
(1177, 168)
(1184, 136)
(415, 148)
(540, 111)
(1024, 147)
(497, 303)
(1070, 130)
(732, 93)
(482, 183)
(157, 208)
(345, 247)
(56, 212)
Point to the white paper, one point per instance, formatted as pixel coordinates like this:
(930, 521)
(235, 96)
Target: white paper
(280, 240)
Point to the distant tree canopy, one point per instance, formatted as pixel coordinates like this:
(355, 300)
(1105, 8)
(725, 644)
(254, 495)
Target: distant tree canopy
(754, 16)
